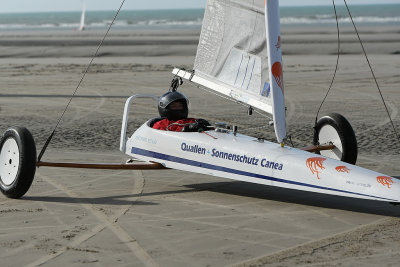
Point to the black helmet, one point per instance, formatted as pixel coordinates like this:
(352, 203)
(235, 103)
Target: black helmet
(167, 99)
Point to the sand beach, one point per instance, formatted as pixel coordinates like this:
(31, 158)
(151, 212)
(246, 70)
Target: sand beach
(173, 218)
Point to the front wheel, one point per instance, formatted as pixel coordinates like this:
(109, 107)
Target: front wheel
(335, 129)
(17, 162)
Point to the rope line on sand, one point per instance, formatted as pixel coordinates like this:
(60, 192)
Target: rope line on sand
(79, 84)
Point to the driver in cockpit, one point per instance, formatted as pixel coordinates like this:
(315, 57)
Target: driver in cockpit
(173, 108)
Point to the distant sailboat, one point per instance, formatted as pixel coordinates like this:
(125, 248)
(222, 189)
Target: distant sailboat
(82, 25)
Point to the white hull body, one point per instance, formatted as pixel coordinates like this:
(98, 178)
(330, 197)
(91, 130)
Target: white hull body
(245, 158)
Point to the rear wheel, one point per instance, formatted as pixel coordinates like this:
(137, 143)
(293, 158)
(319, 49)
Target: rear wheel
(17, 162)
(335, 129)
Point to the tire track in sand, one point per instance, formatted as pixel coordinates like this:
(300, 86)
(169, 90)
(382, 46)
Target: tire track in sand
(281, 256)
(106, 222)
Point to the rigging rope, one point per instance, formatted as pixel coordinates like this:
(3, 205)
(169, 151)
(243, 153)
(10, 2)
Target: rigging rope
(337, 63)
(372, 71)
(227, 98)
(222, 96)
(230, 99)
(240, 103)
(77, 87)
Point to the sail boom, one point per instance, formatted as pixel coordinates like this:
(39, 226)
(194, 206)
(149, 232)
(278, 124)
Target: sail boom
(224, 89)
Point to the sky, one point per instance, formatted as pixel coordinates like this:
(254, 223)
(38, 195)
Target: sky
(22, 6)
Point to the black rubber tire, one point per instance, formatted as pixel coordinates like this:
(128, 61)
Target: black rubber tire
(345, 132)
(27, 162)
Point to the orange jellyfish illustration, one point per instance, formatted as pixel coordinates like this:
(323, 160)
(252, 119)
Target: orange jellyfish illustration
(316, 165)
(342, 169)
(385, 180)
(277, 72)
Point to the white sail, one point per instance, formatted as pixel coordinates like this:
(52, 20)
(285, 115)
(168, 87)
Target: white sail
(233, 57)
(82, 24)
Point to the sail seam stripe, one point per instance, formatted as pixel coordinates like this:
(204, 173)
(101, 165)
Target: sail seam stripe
(199, 164)
(251, 74)
(245, 74)
(240, 65)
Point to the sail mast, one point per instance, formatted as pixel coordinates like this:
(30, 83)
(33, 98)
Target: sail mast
(272, 25)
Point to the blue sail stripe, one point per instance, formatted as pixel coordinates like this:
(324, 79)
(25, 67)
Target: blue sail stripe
(200, 164)
(251, 75)
(245, 75)
(237, 74)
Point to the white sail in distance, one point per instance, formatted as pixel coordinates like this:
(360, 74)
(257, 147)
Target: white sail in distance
(233, 56)
(82, 23)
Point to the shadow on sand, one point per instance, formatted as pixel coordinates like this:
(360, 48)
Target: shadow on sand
(247, 190)
(107, 200)
(300, 197)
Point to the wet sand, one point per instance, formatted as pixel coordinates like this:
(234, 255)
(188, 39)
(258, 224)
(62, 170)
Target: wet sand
(173, 218)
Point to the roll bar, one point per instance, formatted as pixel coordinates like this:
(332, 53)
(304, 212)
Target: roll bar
(128, 103)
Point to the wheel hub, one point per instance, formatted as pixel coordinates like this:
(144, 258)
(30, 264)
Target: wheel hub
(329, 134)
(9, 161)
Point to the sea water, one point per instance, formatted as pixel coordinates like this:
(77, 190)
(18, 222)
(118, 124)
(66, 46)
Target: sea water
(385, 14)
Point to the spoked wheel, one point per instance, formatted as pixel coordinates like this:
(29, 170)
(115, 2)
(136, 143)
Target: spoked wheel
(335, 129)
(17, 162)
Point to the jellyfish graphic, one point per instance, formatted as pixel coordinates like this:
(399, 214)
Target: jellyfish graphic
(277, 73)
(316, 165)
(342, 169)
(385, 180)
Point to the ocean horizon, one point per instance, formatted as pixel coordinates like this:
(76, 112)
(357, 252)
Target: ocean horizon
(381, 14)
